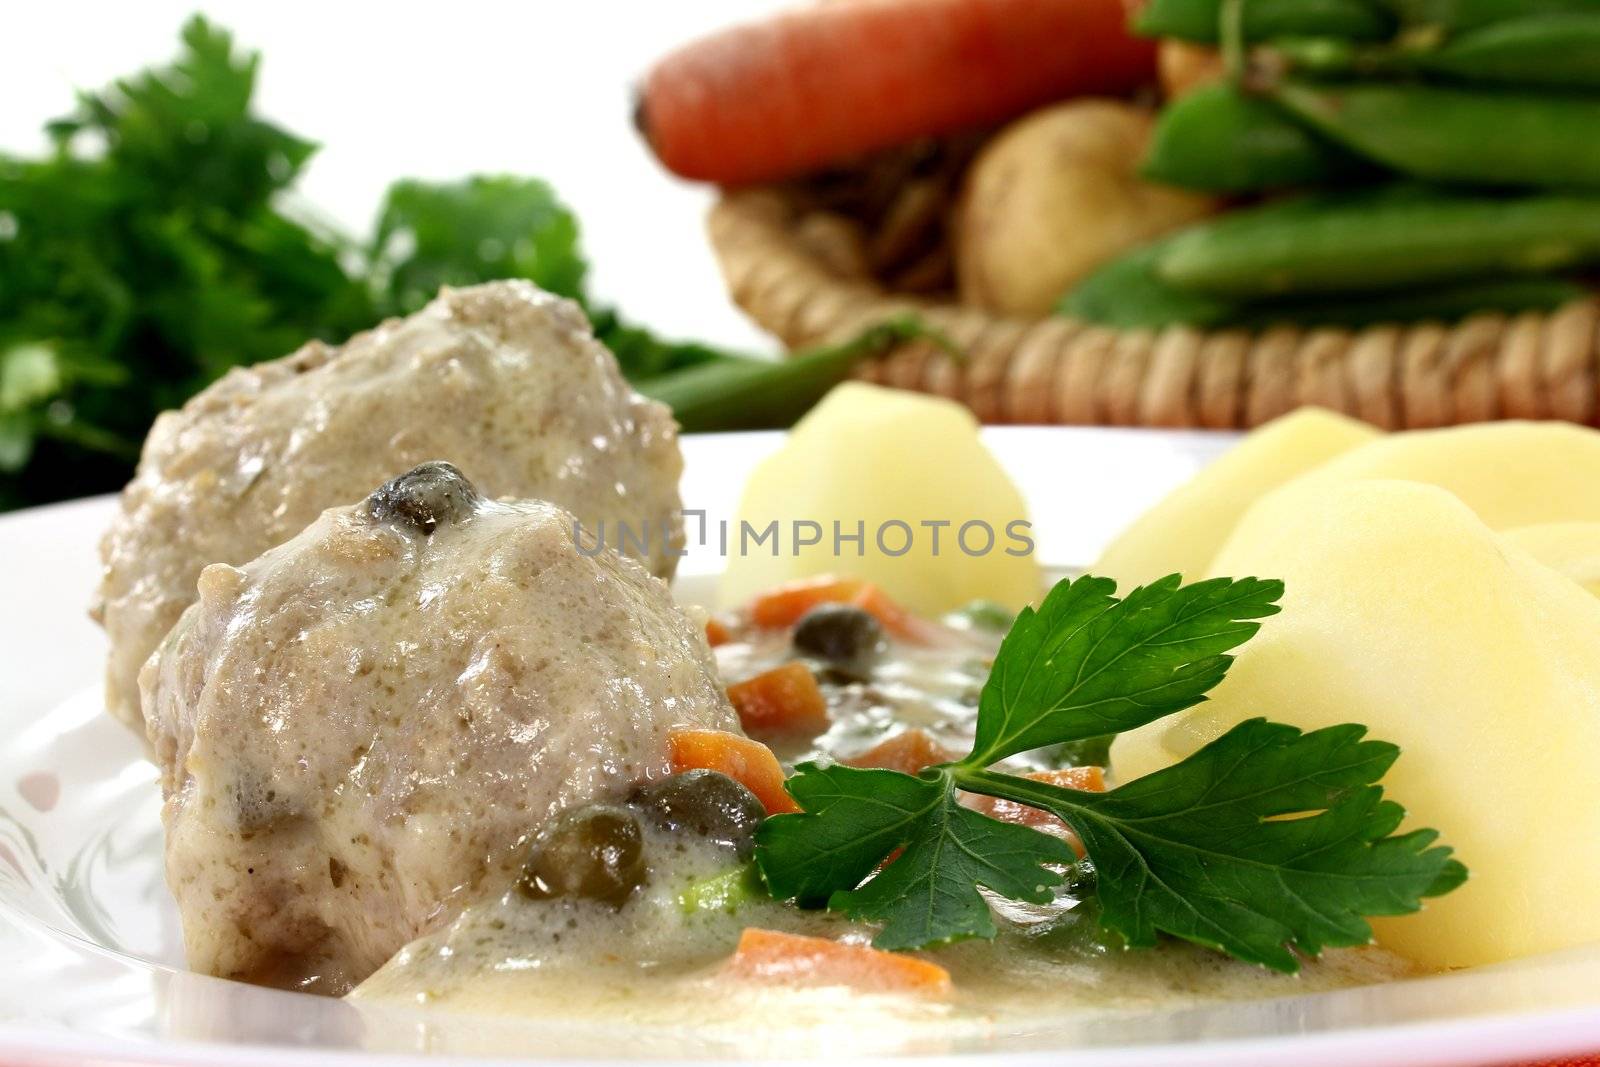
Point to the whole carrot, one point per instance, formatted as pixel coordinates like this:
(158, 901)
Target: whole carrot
(778, 98)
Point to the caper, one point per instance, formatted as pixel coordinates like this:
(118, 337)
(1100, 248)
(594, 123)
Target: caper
(704, 803)
(424, 497)
(594, 852)
(844, 636)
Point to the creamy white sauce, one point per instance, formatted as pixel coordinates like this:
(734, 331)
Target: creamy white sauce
(653, 963)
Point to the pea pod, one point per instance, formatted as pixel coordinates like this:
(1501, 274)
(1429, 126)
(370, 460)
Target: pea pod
(1380, 242)
(1458, 135)
(735, 393)
(1542, 52)
(1220, 139)
(1559, 51)
(1126, 294)
(1197, 20)
(1455, 16)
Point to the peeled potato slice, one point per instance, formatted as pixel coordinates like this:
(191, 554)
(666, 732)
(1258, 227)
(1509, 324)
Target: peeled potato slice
(871, 459)
(1510, 473)
(1573, 548)
(1406, 613)
(1181, 534)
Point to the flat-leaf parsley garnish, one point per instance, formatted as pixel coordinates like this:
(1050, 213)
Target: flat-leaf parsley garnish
(1266, 844)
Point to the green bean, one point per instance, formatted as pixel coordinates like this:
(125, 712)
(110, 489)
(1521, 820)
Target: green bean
(1455, 16)
(1458, 135)
(1197, 20)
(1560, 51)
(1219, 139)
(735, 393)
(1126, 294)
(1381, 241)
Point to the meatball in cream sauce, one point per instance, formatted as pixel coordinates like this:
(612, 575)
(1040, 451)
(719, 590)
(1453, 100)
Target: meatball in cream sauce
(504, 380)
(365, 728)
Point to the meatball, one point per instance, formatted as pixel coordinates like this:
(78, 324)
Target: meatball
(504, 380)
(366, 727)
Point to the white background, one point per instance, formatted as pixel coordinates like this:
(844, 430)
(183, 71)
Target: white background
(434, 90)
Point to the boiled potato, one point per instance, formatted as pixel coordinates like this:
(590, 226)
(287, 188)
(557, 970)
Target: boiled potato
(1182, 533)
(876, 459)
(1054, 196)
(1406, 613)
(1573, 548)
(1510, 473)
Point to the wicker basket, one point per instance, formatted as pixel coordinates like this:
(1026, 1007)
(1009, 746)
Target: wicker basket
(1055, 370)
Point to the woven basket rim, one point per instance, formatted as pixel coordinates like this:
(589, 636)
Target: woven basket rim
(1490, 365)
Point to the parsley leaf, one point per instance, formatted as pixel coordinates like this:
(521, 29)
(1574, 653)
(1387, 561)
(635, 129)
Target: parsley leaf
(929, 894)
(1266, 843)
(1087, 664)
(1202, 850)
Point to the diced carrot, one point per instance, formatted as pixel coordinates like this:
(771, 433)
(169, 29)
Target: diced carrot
(717, 633)
(787, 603)
(783, 605)
(830, 82)
(750, 763)
(785, 701)
(908, 752)
(891, 616)
(1089, 779)
(792, 959)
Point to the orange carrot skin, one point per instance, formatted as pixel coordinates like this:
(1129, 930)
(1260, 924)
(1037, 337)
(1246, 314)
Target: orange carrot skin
(785, 701)
(773, 956)
(891, 616)
(821, 85)
(1088, 779)
(785, 604)
(908, 752)
(717, 633)
(750, 763)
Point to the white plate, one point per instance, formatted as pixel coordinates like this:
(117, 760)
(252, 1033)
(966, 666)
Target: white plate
(91, 966)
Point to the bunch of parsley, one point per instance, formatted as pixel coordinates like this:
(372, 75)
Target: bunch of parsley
(153, 248)
(1267, 844)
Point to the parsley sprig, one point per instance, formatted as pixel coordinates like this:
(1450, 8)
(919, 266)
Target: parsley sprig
(1267, 844)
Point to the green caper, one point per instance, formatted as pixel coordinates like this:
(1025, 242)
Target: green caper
(424, 497)
(839, 634)
(595, 852)
(704, 803)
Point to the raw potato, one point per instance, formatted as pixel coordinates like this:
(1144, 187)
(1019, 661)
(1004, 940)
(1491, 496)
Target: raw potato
(1510, 473)
(1573, 548)
(872, 456)
(1184, 67)
(1406, 613)
(1181, 534)
(1053, 197)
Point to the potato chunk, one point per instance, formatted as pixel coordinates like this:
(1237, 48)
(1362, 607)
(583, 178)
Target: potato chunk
(1406, 613)
(1510, 473)
(870, 461)
(1573, 548)
(1181, 534)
